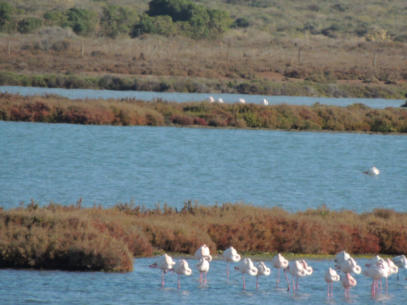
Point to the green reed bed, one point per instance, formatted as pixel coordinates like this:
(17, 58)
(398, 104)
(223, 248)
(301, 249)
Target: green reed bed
(55, 109)
(76, 238)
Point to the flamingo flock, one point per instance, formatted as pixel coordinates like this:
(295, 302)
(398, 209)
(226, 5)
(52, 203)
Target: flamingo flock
(211, 100)
(344, 269)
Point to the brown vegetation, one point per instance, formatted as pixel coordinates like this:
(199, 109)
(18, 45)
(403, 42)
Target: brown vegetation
(76, 238)
(54, 109)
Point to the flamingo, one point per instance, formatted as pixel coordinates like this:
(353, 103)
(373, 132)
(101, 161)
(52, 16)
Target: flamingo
(376, 269)
(246, 266)
(348, 281)
(373, 171)
(401, 262)
(230, 255)
(298, 268)
(165, 263)
(242, 101)
(265, 102)
(203, 268)
(203, 252)
(182, 268)
(280, 262)
(262, 269)
(211, 99)
(331, 276)
(346, 263)
(220, 100)
(391, 268)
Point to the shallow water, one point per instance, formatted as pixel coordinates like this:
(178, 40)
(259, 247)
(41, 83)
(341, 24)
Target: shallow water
(106, 165)
(142, 286)
(197, 97)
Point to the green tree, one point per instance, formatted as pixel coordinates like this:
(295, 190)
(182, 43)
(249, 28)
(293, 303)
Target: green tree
(56, 17)
(116, 20)
(162, 25)
(29, 24)
(6, 12)
(81, 21)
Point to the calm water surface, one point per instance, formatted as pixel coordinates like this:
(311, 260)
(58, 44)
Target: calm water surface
(197, 97)
(148, 165)
(142, 286)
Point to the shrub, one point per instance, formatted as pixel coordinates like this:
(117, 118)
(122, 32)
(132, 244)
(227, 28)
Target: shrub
(6, 11)
(162, 25)
(28, 25)
(81, 21)
(116, 20)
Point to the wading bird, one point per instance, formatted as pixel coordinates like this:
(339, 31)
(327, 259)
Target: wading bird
(298, 268)
(211, 99)
(331, 276)
(230, 255)
(280, 262)
(262, 269)
(347, 282)
(265, 102)
(203, 268)
(165, 263)
(401, 262)
(246, 266)
(220, 100)
(182, 268)
(203, 252)
(242, 101)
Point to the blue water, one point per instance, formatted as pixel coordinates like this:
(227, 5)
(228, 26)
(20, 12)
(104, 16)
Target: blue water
(148, 165)
(191, 97)
(142, 286)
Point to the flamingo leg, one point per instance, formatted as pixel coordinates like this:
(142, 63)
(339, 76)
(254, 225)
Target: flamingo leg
(179, 282)
(286, 278)
(244, 282)
(227, 271)
(296, 283)
(328, 291)
(387, 286)
(278, 277)
(206, 278)
(257, 282)
(200, 278)
(162, 279)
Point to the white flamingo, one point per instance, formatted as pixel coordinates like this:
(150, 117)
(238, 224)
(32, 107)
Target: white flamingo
(346, 263)
(391, 268)
(246, 266)
(348, 281)
(401, 262)
(230, 255)
(203, 268)
(165, 263)
(182, 268)
(375, 269)
(280, 262)
(265, 102)
(220, 100)
(373, 171)
(211, 99)
(203, 252)
(331, 276)
(262, 270)
(298, 268)
(242, 101)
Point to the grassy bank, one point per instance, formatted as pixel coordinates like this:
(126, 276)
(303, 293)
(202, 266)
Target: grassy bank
(76, 238)
(54, 109)
(204, 85)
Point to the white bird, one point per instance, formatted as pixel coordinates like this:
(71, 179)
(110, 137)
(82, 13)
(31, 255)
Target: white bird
(391, 268)
(262, 269)
(265, 102)
(211, 99)
(348, 281)
(373, 171)
(376, 269)
(298, 268)
(182, 268)
(230, 255)
(246, 266)
(401, 262)
(242, 101)
(346, 263)
(220, 100)
(203, 252)
(331, 276)
(203, 268)
(280, 262)
(165, 263)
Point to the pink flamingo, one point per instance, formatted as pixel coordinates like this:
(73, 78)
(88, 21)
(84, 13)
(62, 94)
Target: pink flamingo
(203, 268)
(230, 255)
(182, 268)
(246, 266)
(280, 262)
(262, 269)
(331, 276)
(401, 262)
(347, 282)
(165, 263)
(203, 252)
(298, 268)
(376, 269)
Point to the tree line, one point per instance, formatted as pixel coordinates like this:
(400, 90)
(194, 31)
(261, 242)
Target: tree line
(163, 17)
